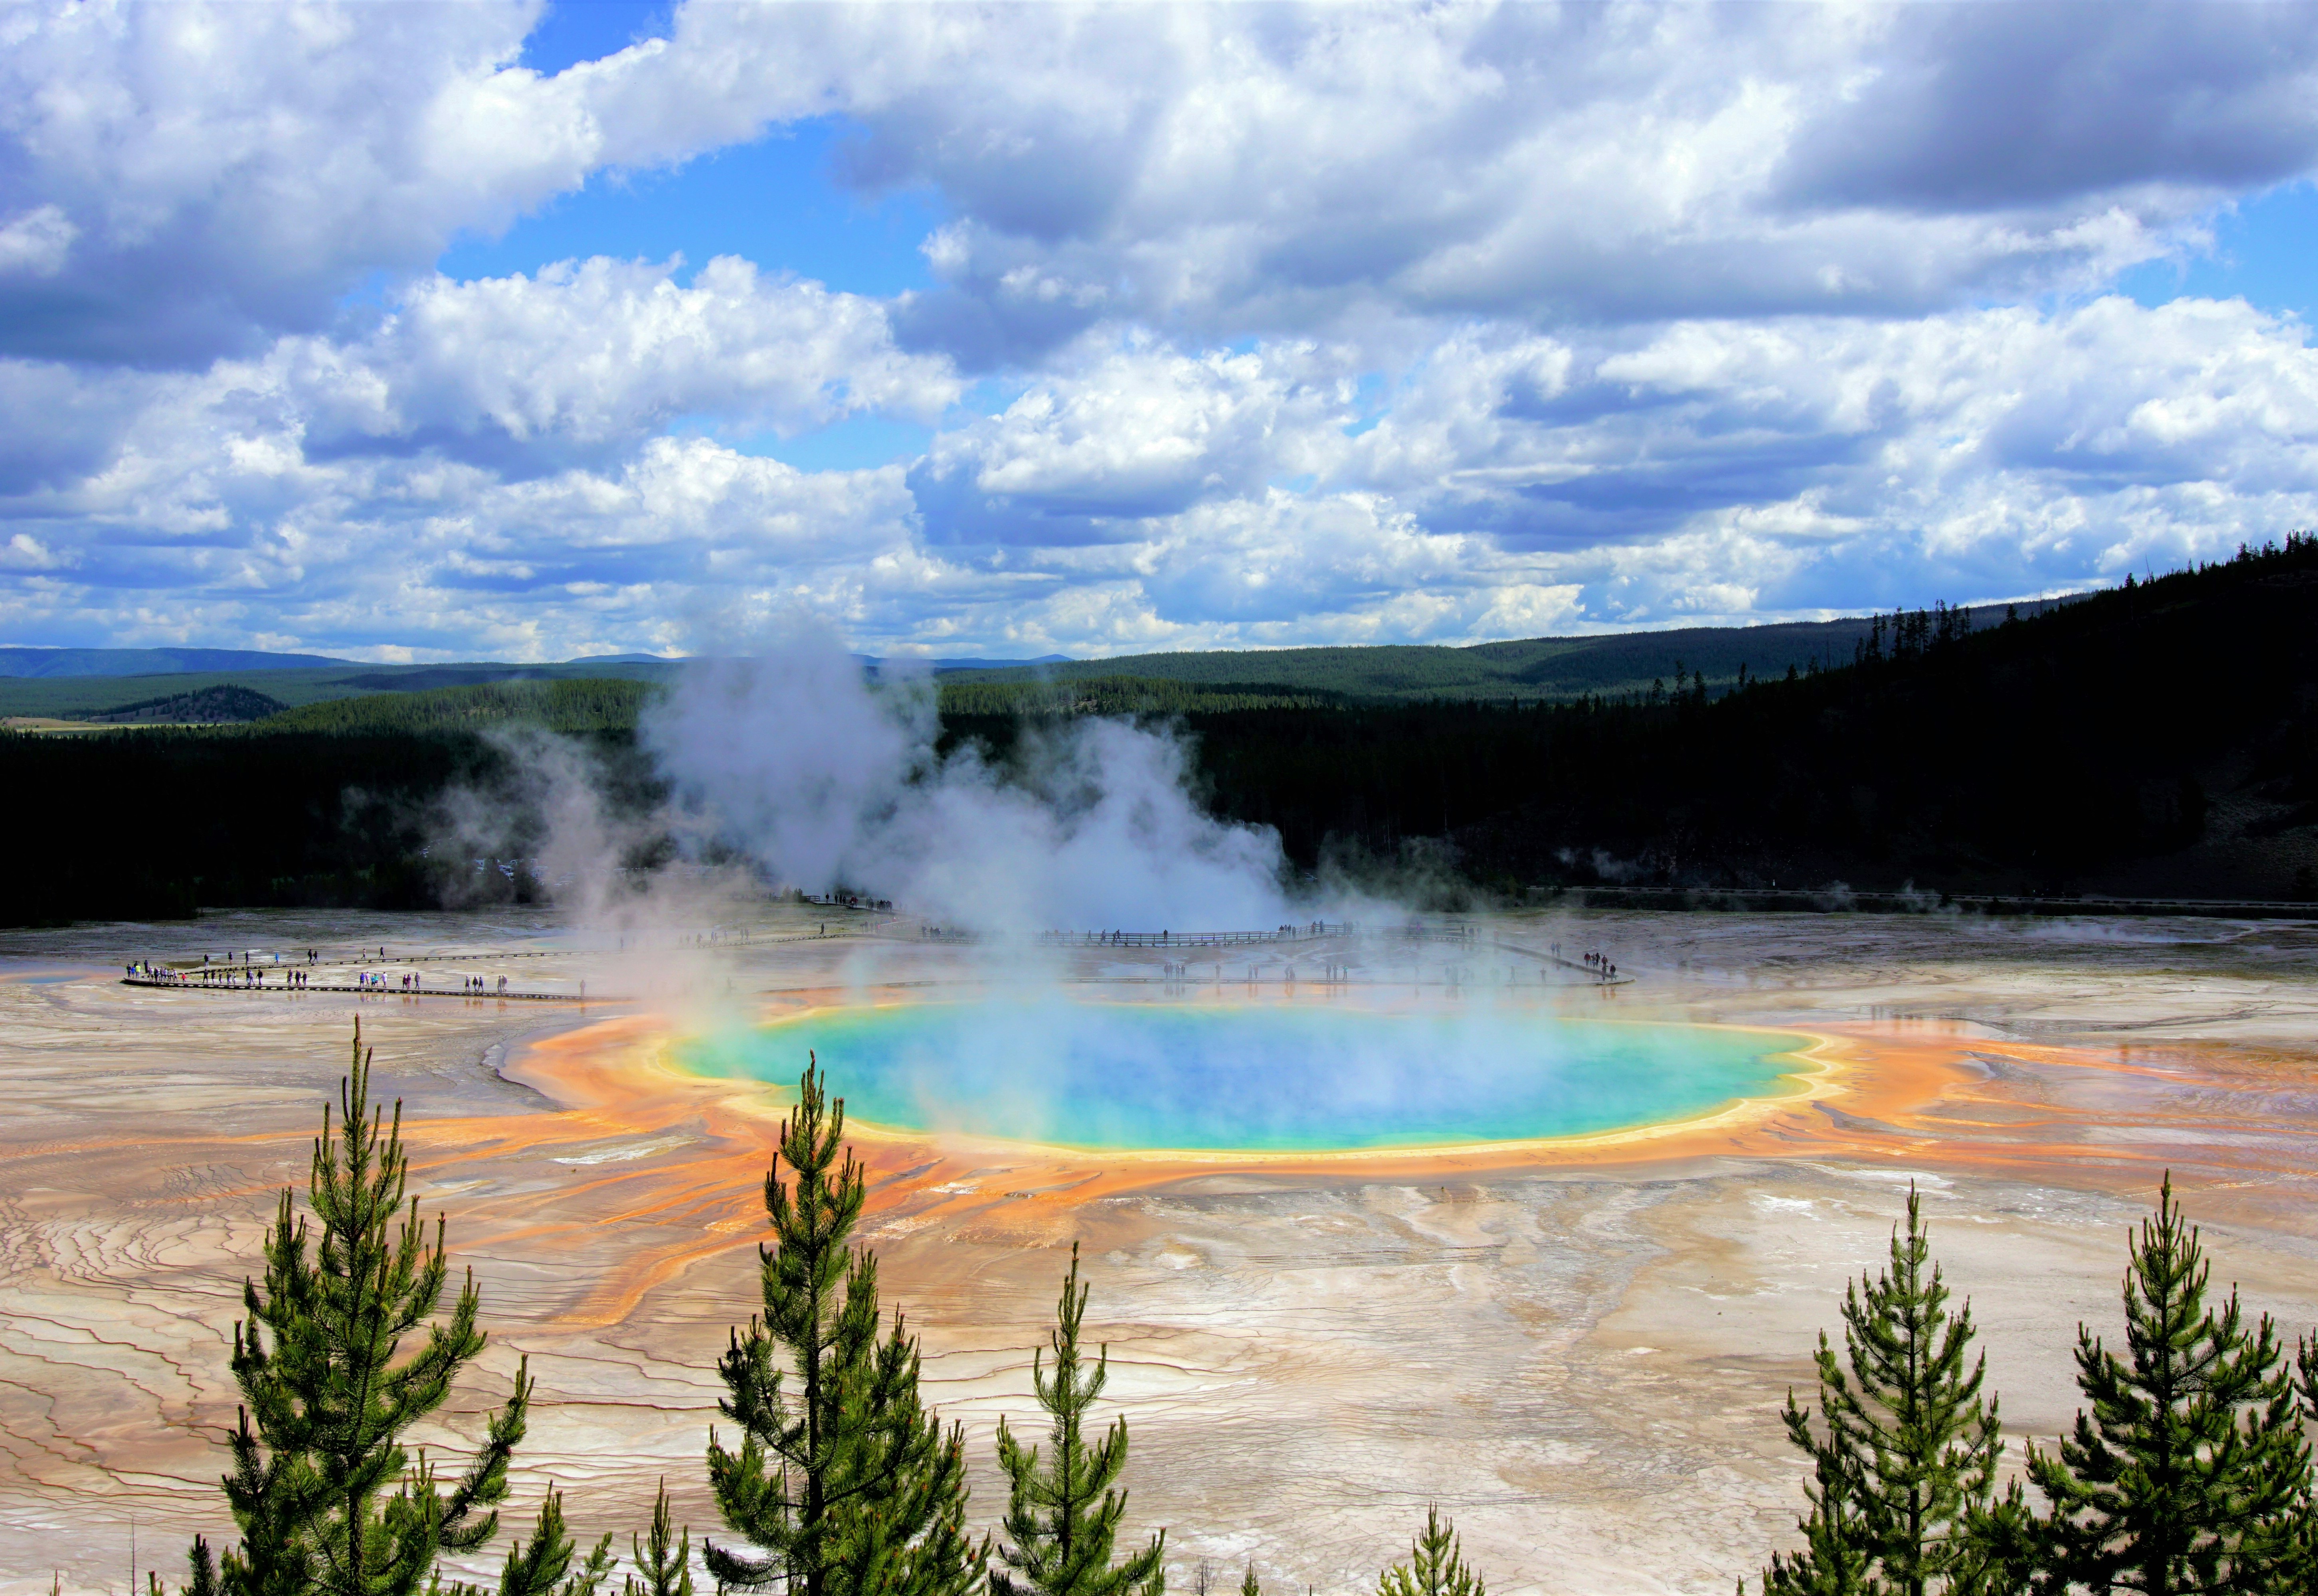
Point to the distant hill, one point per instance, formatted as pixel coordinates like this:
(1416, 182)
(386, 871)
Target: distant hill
(207, 706)
(977, 698)
(117, 663)
(85, 697)
(874, 664)
(33, 683)
(595, 704)
(1041, 661)
(1530, 667)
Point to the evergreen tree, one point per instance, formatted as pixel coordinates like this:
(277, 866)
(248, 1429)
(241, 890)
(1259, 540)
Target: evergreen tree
(543, 1565)
(325, 1497)
(1905, 1453)
(845, 1481)
(664, 1561)
(2305, 1576)
(1435, 1565)
(1836, 1559)
(2190, 1473)
(1063, 1518)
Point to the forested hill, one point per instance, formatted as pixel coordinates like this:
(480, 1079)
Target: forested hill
(1532, 667)
(589, 704)
(613, 706)
(2158, 739)
(1527, 669)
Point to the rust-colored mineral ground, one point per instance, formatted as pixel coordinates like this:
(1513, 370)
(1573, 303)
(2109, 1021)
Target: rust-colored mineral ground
(1578, 1347)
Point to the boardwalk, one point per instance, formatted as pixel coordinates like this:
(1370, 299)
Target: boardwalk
(284, 989)
(1355, 955)
(1311, 931)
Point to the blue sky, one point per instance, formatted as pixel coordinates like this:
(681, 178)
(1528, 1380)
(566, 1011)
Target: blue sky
(775, 202)
(491, 330)
(2265, 251)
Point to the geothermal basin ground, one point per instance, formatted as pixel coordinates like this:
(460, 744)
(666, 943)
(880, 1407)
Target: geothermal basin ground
(1570, 1317)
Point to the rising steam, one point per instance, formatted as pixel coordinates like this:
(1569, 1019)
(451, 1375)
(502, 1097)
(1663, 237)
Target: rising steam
(827, 782)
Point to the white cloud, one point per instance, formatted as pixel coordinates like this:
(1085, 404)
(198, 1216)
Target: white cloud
(1355, 566)
(598, 353)
(1329, 323)
(1705, 471)
(1224, 170)
(35, 244)
(220, 171)
(1143, 431)
(231, 169)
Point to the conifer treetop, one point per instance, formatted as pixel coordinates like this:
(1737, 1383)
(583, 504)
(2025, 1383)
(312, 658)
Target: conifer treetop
(1063, 1508)
(1905, 1450)
(843, 1479)
(1436, 1566)
(663, 1562)
(329, 1501)
(2187, 1471)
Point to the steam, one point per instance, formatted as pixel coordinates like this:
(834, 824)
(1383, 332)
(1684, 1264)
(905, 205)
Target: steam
(552, 811)
(827, 784)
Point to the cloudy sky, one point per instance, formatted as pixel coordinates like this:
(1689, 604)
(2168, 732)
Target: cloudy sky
(489, 329)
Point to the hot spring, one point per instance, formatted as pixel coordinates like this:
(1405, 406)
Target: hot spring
(1257, 1078)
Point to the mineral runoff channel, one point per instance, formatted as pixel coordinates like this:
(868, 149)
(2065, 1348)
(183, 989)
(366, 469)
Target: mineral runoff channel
(1578, 1347)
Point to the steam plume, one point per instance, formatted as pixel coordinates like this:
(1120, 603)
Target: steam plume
(828, 783)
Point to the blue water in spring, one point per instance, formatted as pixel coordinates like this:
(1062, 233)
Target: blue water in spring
(1276, 1077)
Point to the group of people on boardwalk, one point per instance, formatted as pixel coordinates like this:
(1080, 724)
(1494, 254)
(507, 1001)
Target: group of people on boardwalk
(220, 974)
(247, 972)
(411, 981)
(1599, 963)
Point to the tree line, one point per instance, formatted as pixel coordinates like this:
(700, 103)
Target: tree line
(973, 699)
(2039, 755)
(2042, 753)
(2189, 1471)
(572, 708)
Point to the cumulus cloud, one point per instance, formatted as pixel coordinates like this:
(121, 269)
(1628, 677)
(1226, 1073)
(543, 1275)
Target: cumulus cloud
(1712, 471)
(1223, 170)
(1817, 430)
(1285, 567)
(1307, 324)
(220, 171)
(1993, 106)
(595, 354)
(1146, 432)
(34, 244)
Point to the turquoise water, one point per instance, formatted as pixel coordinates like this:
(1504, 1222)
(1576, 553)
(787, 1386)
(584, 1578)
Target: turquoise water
(1286, 1078)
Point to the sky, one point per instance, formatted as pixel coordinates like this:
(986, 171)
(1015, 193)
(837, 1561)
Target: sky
(501, 330)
